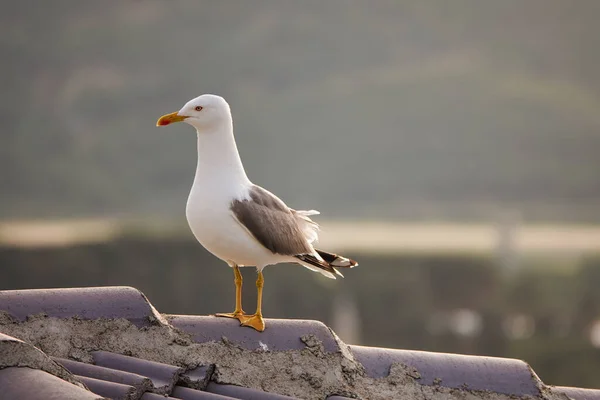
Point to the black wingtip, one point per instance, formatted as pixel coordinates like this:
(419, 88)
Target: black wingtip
(335, 260)
(315, 262)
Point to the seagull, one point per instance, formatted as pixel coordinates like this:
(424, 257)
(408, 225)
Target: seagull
(240, 222)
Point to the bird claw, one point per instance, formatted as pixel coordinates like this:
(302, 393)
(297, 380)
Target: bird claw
(239, 315)
(254, 321)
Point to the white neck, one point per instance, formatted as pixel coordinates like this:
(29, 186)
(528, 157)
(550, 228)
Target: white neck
(219, 163)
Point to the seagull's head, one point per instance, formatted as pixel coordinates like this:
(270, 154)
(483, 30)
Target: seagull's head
(205, 113)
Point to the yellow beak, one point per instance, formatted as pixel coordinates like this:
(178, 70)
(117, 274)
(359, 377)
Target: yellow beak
(169, 119)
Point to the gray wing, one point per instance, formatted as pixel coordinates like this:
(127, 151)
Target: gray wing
(271, 222)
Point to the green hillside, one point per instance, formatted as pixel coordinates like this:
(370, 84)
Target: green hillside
(361, 109)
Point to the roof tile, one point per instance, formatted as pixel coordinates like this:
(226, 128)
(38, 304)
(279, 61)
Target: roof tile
(119, 376)
(280, 334)
(139, 382)
(17, 353)
(579, 393)
(163, 376)
(34, 384)
(197, 378)
(239, 392)
(191, 394)
(87, 303)
(154, 396)
(112, 390)
(502, 375)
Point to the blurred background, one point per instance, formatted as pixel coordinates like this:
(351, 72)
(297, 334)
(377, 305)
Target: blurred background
(452, 148)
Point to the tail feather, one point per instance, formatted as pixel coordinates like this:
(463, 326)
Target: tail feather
(327, 261)
(310, 259)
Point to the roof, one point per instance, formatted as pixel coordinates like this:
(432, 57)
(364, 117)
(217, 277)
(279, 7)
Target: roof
(110, 342)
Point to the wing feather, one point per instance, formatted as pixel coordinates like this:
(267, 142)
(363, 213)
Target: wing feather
(271, 222)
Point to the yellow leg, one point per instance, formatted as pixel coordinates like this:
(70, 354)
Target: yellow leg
(256, 320)
(238, 312)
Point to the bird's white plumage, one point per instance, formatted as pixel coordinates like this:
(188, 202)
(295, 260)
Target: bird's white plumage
(220, 179)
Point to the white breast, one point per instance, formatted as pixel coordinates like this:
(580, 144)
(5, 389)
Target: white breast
(215, 227)
(220, 178)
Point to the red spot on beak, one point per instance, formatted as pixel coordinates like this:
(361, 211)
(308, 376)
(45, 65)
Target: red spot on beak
(169, 119)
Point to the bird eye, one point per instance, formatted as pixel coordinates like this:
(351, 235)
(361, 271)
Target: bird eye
(198, 108)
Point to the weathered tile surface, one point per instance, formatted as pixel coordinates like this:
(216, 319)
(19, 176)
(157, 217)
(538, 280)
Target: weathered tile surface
(87, 303)
(338, 398)
(121, 377)
(238, 392)
(139, 382)
(111, 390)
(501, 375)
(579, 393)
(154, 396)
(197, 378)
(190, 394)
(33, 384)
(17, 353)
(280, 335)
(163, 376)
